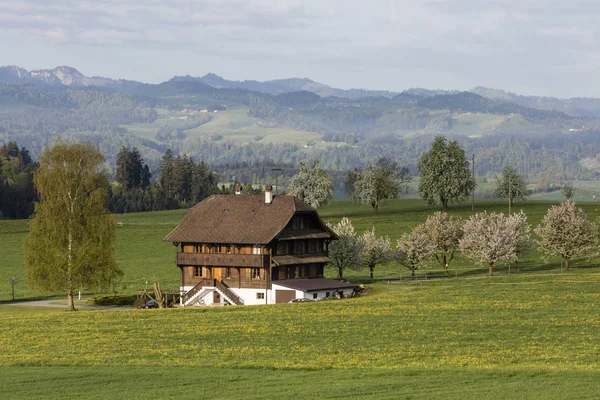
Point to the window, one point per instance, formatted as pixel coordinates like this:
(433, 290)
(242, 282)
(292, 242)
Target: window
(315, 296)
(260, 296)
(327, 294)
(255, 273)
(197, 248)
(291, 273)
(312, 246)
(297, 223)
(299, 247)
(282, 248)
(198, 272)
(256, 249)
(228, 272)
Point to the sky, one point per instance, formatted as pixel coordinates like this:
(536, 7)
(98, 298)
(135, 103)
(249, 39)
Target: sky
(532, 47)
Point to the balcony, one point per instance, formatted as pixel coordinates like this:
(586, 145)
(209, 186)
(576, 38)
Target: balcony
(223, 260)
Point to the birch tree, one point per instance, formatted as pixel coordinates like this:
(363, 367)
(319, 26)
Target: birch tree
(311, 185)
(374, 250)
(345, 252)
(415, 249)
(489, 238)
(70, 243)
(565, 231)
(444, 232)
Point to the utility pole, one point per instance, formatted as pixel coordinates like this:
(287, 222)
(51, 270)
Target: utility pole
(509, 192)
(473, 194)
(277, 170)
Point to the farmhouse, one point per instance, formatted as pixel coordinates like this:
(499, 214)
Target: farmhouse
(253, 249)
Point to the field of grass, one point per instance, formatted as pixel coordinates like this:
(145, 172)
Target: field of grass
(532, 334)
(145, 258)
(473, 124)
(509, 337)
(235, 126)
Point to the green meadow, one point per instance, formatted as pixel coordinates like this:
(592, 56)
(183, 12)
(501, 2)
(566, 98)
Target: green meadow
(144, 257)
(234, 125)
(534, 333)
(511, 337)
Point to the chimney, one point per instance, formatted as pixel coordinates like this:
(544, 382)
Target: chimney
(268, 194)
(238, 189)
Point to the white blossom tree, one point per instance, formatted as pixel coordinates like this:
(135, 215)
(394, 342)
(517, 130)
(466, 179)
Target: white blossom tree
(444, 232)
(345, 252)
(415, 248)
(375, 250)
(565, 231)
(523, 243)
(311, 185)
(489, 238)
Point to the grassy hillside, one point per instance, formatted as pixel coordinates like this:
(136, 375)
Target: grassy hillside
(144, 257)
(233, 125)
(533, 334)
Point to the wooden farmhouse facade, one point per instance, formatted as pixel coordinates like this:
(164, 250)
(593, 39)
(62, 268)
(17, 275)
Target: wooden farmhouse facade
(253, 249)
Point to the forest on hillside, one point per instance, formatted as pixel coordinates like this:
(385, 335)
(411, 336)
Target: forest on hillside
(350, 133)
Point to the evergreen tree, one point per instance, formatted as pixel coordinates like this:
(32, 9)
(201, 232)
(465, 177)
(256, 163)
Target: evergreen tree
(136, 168)
(183, 167)
(166, 177)
(122, 167)
(146, 177)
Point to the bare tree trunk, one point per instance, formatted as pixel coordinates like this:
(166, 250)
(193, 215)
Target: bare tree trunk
(70, 302)
(566, 264)
(371, 272)
(445, 205)
(340, 271)
(445, 266)
(491, 269)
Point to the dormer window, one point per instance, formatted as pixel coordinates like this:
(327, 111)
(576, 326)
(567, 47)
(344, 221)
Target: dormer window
(297, 223)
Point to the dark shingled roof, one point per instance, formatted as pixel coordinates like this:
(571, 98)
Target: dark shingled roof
(237, 219)
(306, 285)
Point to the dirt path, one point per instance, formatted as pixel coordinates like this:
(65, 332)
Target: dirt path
(49, 303)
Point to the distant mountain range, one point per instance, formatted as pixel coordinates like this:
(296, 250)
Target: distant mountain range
(61, 76)
(69, 76)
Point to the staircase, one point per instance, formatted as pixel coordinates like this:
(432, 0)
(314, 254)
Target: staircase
(188, 297)
(205, 285)
(227, 293)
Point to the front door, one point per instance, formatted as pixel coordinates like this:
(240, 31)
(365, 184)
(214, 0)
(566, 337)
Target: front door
(217, 297)
(217, 273)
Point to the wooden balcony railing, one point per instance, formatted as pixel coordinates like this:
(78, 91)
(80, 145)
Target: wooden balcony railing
(223, 260)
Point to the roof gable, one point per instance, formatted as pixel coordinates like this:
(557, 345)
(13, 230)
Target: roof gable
(237, 219)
